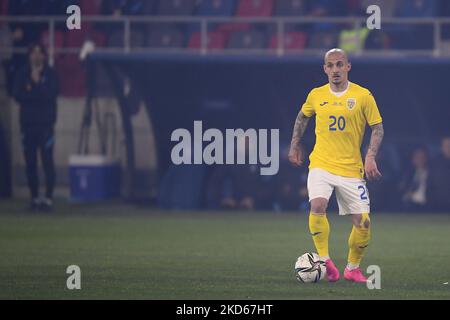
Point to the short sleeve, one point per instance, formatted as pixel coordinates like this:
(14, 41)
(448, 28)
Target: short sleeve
(371, 111)
(308, 107)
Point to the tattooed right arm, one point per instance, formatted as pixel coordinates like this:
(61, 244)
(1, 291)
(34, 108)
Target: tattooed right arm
(299, 129)
(295, 152)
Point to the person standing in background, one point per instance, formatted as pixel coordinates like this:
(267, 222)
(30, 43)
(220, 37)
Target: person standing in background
(439, 179)
(36, 89)
(23, 33)
(414, 184)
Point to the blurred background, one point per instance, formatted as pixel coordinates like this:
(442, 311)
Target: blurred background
(139, 69)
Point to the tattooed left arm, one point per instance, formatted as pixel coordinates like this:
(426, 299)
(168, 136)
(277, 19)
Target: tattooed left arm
(370, 165)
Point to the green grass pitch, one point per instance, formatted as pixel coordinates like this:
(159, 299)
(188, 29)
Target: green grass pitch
(126, 252)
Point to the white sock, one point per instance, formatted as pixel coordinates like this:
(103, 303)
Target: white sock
(351, 266)
(324, 258)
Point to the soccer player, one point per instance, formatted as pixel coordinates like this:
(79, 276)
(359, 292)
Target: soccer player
(342, 109)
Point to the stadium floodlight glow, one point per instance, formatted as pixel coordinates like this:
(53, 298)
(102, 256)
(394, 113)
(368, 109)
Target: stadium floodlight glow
(251, 142)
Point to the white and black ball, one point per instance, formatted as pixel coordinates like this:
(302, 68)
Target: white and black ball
(309, 268)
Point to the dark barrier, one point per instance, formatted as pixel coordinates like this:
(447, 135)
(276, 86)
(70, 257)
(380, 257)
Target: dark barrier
(267, 91)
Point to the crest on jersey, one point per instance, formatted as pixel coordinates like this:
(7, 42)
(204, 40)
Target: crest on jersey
(351, 102)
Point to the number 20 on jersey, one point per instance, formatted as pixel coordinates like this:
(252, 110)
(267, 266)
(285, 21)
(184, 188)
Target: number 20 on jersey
(337, 123)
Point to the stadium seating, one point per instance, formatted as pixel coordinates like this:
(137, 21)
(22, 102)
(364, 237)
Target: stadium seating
(389, 7)
(213, 8)
(90, 7)
(220, 33)
(414, 36)
(290, 8)
(291, 41)
(176, 7)
(3, 9)
(70, 64)
(151, 7)
(137, 39)
(354, 7)
(324, 39)
(167, 37)
(378, 41)
(230, 35)
(247, 40)
(76, 38)
(254, 8)
(215, 40)
(248, 8)
(333, 8)
(58, 40)
(232, 27)
(73, 85)
(216, 8)
(418, 8)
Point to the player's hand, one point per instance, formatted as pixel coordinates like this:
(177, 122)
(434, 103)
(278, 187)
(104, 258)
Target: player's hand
(295, 156)
(371, 169)
(36, 74)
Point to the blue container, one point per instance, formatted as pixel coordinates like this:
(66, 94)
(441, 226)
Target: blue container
(94, 178)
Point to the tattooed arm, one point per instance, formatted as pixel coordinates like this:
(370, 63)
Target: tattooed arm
(295, 152)
(370, 165)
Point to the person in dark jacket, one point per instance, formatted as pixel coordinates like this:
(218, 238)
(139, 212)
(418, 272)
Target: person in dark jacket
(414, 184)
(36, 89)
(439, 179)
(23, 34)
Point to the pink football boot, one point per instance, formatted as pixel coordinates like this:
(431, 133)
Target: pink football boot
(354, 275)
(332, 271)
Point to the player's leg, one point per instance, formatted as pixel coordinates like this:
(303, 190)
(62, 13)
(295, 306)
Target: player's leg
(320, 188)
(357, 245)
(353, 200)
(46, 144)
(358, 240)
(30, 146)
(319, 226)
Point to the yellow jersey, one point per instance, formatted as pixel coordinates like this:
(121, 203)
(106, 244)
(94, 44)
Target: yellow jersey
(340, 124)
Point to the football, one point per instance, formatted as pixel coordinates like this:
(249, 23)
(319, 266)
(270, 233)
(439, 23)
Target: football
(309, 268)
